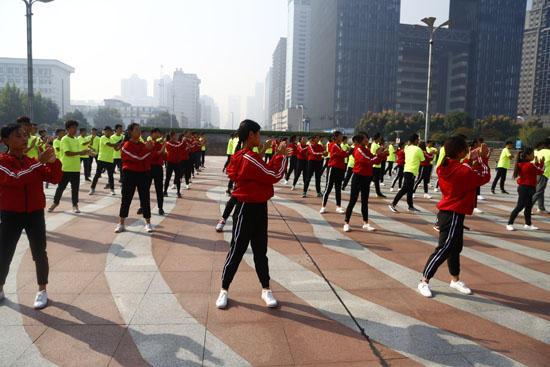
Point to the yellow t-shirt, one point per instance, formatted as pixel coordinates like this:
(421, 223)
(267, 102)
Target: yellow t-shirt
(115, 139)
(81, 141)
(413, 156)
(546, 154)
(391, 156)
(56, 146)
(33, 153)
(72, 163)
(95, 144)
(373, 148)
(504, 160)
(106, 153)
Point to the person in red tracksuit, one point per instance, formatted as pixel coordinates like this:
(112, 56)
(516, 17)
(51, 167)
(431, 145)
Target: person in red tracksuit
(174, 156)
(316, 153)
(136, 170)
(254, 180)
(336, 171)
(186, 163)
(400, 166)
(301, 162)
(157, 172)
(22, 203)
(361, 179)
(527, 172)
(458, 182)
(425, 170)
(293, 157)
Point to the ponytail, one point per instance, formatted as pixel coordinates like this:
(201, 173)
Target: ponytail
(521, 158)
(244, 130)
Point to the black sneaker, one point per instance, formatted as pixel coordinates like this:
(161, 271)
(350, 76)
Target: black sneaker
(493, 192)
(179, 195)
(165, 194)
(504, 192)
(107, 186)
(393, 208)
(140, 211)
(161, 211)
(412, 209)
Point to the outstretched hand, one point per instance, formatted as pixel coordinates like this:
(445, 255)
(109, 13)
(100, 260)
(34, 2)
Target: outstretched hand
(47, 155)
(281, 149)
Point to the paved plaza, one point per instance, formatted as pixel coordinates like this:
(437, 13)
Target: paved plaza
(135, 299)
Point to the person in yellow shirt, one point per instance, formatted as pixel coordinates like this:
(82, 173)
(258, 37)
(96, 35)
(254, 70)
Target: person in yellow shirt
(229, 150)
(391, 158)
(503, 166)
(32, 145)
(106, 159)
(85, 143)
(94, 145)
(70, 160)
(117, 138)
(377, 168)
(202, 139)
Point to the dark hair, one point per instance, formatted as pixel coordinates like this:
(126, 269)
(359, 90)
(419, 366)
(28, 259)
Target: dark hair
(413, 138)
(82, 129)
(345, 138)
(521, 158)
(57, 131)
(41, 131)
(422, 145)
(481, 140)
(170, 134)
(94, 129)
(401, 144)
(429, 142)
(70, 123)
(8, 129)
(129, 129)
(119, 125)
(376, 136)
(473, 143)
(293, 138)
(509, 142)
(358, 138)
(454, 146)
(107, 128)
(540, 144)
(244, 130)
(23, 120)
(155, 130)
(336, 134)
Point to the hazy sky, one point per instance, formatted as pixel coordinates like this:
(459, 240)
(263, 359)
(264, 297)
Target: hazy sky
(227, 43)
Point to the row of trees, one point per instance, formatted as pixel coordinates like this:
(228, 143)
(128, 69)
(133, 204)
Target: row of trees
(492, 128)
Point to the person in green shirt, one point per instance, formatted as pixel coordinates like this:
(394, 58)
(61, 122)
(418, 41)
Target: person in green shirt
(117, 138)
(503, 166)
(94, 145)
(543, 179)
(229, 150)
(377, 168)
(32, 144)
(105, 159)
(70, 160)
(268, 151)
(349, 171)
(413, 156)
(60, 133)
(391, 158)
(203, 148)
(85, 143)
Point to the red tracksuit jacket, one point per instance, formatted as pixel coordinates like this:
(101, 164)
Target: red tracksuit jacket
(458, 183)
(528, 172)
(315, 152)
(136, 157)
(302, 151)
(253, 177)
(428, 157)
(364, 160)
(157, 159)
(21, 181)
(337, 156)
(294, 148)
(400, 157)
(174, 152)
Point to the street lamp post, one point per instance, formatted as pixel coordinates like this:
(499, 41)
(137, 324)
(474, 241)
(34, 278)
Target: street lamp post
(432, 29)
(30, 91)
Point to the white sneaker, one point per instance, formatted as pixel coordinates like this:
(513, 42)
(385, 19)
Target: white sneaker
(347, 228)
(393, 208)
(286, 182)
(323, 210)
(479, 197)
(368, 227)
(113, 192)
(149, 228)
(424, 289)
(372, 184)
(187, 187)
(293, 188)
(76, 210)
(173, 187)
(478, 211)
(41, 300)
(119, 228)
(92, 191)
(2, 295)
(220, 225)
(542, 211)
(531, 227)
(340, 210)
(414, 196)
(436, 189)
(427, 196)
(391, 190)
(461, 287)
(268, 298)
(221, 302)
(382, 184)
(510, 227)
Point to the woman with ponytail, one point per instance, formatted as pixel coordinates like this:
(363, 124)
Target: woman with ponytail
(254, 187)
(526, 171)
(136, 166)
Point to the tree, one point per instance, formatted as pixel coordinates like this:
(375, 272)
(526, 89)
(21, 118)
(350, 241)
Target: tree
(457, 119)
(107, 116)
(162, 120)
(46, 111)
(497, 128)
(12, 104)
(78, 116)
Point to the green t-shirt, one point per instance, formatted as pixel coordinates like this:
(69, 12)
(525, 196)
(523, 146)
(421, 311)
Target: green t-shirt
(373, 148)
(434, 151)
(345, 147)
(106, 153)
(504, 160)
(115, 139)
(441, 156)
(351, 160)
(413, 156)
(546, 154)
(95, 144)
(203, 148)
(256, 150)
(72, 163)
(33, 153)
(391, 156)
(235, 144)
(230, 147)
(56, 146)
(81, 141)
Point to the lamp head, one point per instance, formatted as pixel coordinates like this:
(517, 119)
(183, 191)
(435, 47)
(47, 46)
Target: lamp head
(429, 21)
(43, 1)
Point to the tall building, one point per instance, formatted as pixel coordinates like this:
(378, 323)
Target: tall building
(162, 91)
(297, 52)
(495, 53)
(534, 92)
(255, 105)
(210, 113)
(187, 107)
(131, 114)
(278, 79)
(133, 87)
(267, 99)
(234, 112)
(51, 78)
(353, 60)
(449, 70)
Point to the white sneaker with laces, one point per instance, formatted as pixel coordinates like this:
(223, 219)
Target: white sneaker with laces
(479, 197)
(323, 210)
(382, 184)
(92, 191)
(478, 211)
(286, 182)
(461, 287)
(368, 227)
(149, 228)
(393, 208)
(173, 187)
(268, 298)
(347, 228)
(293, 188)
(221, 302)
(391, 189)
(75, 209)
(113, 192)
(510, 227)
(436, 189)
(427, 196)
(220, 225)
(531, 227)
(541, 211)
(340, 210)
(119, 228)
(2, 295)
(41, 300)
(424, 289)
